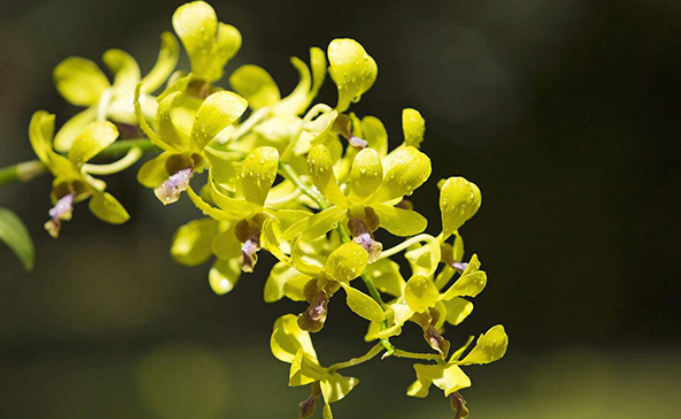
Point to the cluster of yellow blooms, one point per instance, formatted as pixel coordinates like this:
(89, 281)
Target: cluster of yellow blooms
(308, 183)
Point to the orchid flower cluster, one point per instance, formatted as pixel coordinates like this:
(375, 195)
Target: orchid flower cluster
(308, 183)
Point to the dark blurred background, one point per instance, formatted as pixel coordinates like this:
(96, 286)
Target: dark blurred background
(566, 113)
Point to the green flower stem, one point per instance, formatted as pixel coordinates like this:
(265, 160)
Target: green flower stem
(375, 350)
(315, 110)
(23, 172)
(289, 173)
(128, 160)
(405, 244)
(122, 147)
(31, 169)
(249, 123)
(373, 292)
(399, 353)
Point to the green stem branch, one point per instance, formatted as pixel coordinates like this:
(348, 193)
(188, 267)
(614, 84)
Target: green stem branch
(375, 350)
(31, 169)
(290, 174)
(399, 353)
(405, 244)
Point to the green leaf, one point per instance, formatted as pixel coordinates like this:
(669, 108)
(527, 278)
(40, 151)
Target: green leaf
(363, 305)
(490, 347)
(14, 234)
(192, 243)
(256, 85)
(420, 293)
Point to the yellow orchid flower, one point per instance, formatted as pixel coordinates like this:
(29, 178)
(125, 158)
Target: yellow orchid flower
(210, 44)
(73, 183)
(448, 376)
(82, 83)
(184, 127)
(371, 199)
(292, 345)
(250, 212)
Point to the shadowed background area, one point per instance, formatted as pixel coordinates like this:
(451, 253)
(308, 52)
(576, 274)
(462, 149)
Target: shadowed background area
(565, 113)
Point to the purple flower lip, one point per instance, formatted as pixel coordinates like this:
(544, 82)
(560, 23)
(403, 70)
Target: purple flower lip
(362, 236)
(249, 251)
(459, 266)
(62, 210)
(169, 192)
(318, 308)
(357, 142)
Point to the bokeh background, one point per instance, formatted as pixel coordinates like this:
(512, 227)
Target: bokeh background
(566, 113)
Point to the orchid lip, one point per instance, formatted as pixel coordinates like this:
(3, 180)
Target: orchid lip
(357, 142)
(170, 190)
(249, 250)
(63, 208)
(363, 237)
(459, 266)
(61, 211)
(318, 308)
